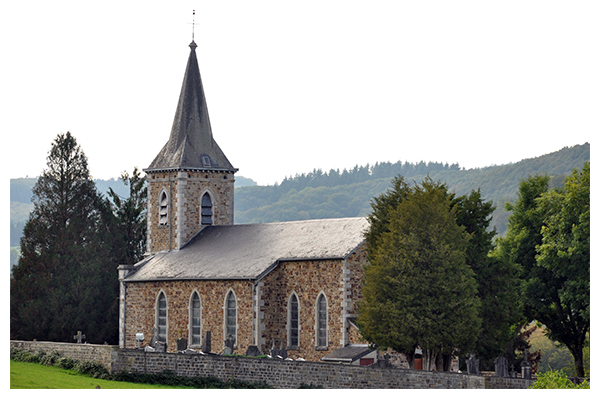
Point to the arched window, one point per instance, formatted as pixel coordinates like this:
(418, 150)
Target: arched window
(293, 322)
(195, 320)
(206, 212)
(161, 317)
(321, 321)
(163, 208)
(231, 317)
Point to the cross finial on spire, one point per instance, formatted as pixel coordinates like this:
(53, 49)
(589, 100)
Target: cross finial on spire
(193, 22)
(193, 43)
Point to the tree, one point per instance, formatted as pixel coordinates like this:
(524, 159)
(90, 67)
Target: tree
(65, 280)
(497, 280)
(548, 239)
(129, 222)
(558, 287)
(418, 289)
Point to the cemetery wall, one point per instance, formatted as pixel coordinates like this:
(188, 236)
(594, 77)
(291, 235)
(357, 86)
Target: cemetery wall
(103, 354)
(277, 373)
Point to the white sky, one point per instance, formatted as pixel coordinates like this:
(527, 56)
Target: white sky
(297, 85)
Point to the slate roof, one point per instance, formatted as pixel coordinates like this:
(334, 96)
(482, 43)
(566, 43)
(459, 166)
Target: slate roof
(349, 353)
(191, 144)
(249, 251)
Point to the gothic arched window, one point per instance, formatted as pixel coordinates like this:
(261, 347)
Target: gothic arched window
(161, 317)
(293, 322)
(321, 321)
(206, 212)
(231, 317)
(163, 208)
(195, 320)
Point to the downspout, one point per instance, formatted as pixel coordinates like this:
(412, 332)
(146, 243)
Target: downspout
(253, 288)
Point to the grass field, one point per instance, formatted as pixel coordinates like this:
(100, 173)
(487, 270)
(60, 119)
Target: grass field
(36, 376)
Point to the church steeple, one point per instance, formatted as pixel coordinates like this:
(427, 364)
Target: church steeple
(191, 181)
(191, 144)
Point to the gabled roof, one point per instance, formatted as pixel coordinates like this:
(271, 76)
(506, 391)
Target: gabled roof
(191, 144)
(249, 251)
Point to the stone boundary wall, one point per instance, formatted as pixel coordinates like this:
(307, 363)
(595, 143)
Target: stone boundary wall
(277, 373)
(103, 354)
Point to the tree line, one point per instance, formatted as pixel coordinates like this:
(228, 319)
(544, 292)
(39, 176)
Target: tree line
(348, 193)
(438, 283)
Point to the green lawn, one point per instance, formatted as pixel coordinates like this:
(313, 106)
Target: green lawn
(36, 376)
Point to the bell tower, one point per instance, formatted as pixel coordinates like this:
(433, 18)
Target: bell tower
(191, 181)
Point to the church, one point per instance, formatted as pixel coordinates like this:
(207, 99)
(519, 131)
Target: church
(288, 285)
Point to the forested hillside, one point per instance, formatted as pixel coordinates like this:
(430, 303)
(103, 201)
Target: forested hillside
(348, 193)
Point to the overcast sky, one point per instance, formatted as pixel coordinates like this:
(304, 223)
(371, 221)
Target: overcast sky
(297, 85)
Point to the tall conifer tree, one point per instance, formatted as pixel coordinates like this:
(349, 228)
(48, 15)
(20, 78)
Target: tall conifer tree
(65, 280)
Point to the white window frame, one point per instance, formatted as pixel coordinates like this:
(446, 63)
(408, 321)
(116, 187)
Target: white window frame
(318, 328)
(226, 317)
(157, 318)
(191, 322)
(291, 344)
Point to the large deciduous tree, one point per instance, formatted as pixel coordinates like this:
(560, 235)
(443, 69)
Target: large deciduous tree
(548, 237)
(418, 289)
(65, 280)
(558, 287)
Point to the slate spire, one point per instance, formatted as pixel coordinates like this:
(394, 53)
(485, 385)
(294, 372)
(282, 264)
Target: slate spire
(191, 144)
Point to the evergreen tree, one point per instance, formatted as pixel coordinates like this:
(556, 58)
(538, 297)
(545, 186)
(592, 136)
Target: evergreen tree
(129, 221)
(65, 280)
(418, 289)
(497, 280)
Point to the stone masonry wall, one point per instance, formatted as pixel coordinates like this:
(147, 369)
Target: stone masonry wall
(185, 190)
(103, 354)
(277, 373)
(141, 310)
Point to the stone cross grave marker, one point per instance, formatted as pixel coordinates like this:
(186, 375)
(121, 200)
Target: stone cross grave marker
(79, 337)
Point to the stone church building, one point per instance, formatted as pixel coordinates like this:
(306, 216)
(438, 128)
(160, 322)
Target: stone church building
(290, 285)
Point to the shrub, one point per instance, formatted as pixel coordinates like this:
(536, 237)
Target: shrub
(93, 369)
(557, 379)
(65, 363)
(50, 359)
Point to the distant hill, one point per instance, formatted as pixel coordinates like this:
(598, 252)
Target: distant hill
(348, 193)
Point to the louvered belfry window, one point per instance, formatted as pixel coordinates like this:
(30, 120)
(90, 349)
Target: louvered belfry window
(195, 315)
(206, 211)
(163, 209)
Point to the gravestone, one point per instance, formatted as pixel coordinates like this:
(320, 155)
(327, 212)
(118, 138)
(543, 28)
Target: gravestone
(228, 349)
(182, 344)
(383, 363)
(501, 365)
(154, 338)
(206, 342)
(253, 351)
(278, 353)
(526, 366)
(79, 337)
(160, 346)
(473, 365)
(513, 373)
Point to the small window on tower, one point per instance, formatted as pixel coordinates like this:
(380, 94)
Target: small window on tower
(206, 213)
(163, 208)
(205, 161)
